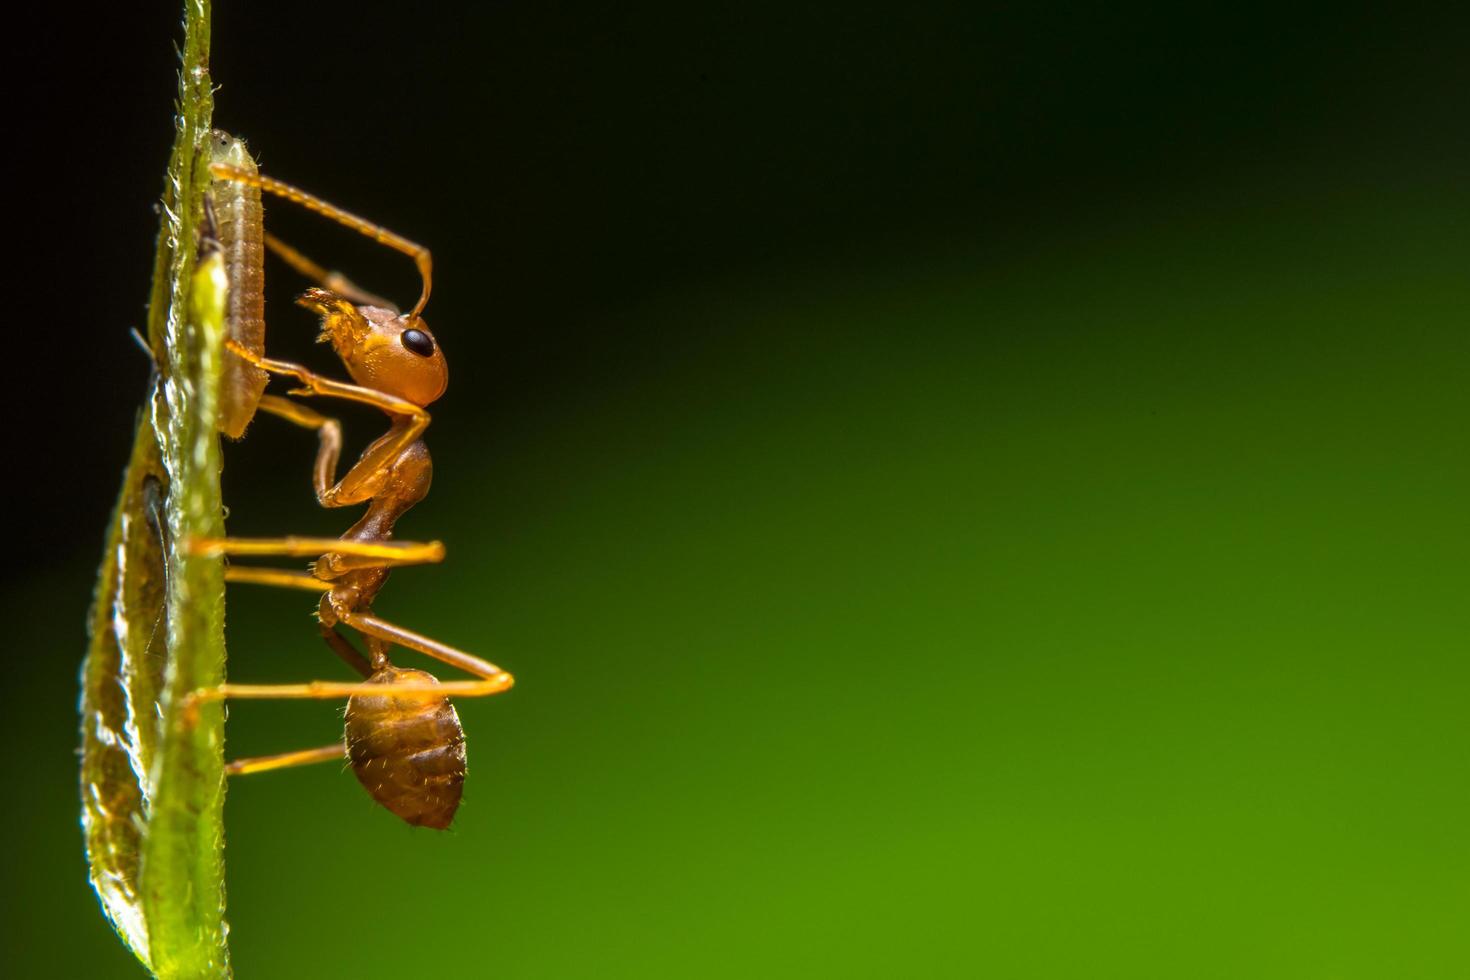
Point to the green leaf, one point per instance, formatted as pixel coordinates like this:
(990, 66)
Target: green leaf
(120, 682)
(152, 779)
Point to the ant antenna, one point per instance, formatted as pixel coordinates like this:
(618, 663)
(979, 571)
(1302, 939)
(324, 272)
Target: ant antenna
(377, 233)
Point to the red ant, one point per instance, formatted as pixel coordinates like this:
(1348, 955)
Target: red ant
(403, 736)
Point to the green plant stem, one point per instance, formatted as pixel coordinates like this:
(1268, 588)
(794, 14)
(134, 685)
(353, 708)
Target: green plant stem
(182, 869)
(163, 886)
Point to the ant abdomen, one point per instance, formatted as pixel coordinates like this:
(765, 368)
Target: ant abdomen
(407, 751)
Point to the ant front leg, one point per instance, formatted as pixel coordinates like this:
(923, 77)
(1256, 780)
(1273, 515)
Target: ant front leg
(314, 384)
(361, 481)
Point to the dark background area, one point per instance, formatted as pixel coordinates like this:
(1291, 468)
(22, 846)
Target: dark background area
(975, 486)
(566, 162)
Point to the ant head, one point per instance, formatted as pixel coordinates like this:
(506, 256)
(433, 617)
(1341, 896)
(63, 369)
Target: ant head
(382, 349)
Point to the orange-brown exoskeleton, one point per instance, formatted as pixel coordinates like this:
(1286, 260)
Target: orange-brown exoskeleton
(403, 737)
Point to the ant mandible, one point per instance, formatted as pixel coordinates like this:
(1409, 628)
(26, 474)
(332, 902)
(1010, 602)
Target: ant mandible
(403, 736)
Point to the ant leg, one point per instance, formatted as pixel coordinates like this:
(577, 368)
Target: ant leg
(351, 488)
(385, 553)
(281, 577)
(315, 384)
(283, 760)
(240, 767)
(331, 690)
(324, 277)
(354, 488)
(370, 625)
(285, 579)
(340, 645)
(343, 648)
(415, 251)
(329, 433)
(329, 440)
(494, 680)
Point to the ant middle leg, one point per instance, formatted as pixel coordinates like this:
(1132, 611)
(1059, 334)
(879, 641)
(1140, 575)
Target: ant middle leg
(386, 554)
(281, 577)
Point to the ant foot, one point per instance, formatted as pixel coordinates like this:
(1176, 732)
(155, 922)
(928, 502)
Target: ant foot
(189, 711)
(196, 547)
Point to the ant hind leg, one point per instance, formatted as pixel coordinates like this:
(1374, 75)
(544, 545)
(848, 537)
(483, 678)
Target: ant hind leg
(494, 680)
(285, 760)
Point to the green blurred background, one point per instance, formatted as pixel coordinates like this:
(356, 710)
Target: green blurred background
(968, 491)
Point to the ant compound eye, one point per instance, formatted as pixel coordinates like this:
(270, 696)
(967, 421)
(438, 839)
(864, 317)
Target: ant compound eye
(418, 342)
